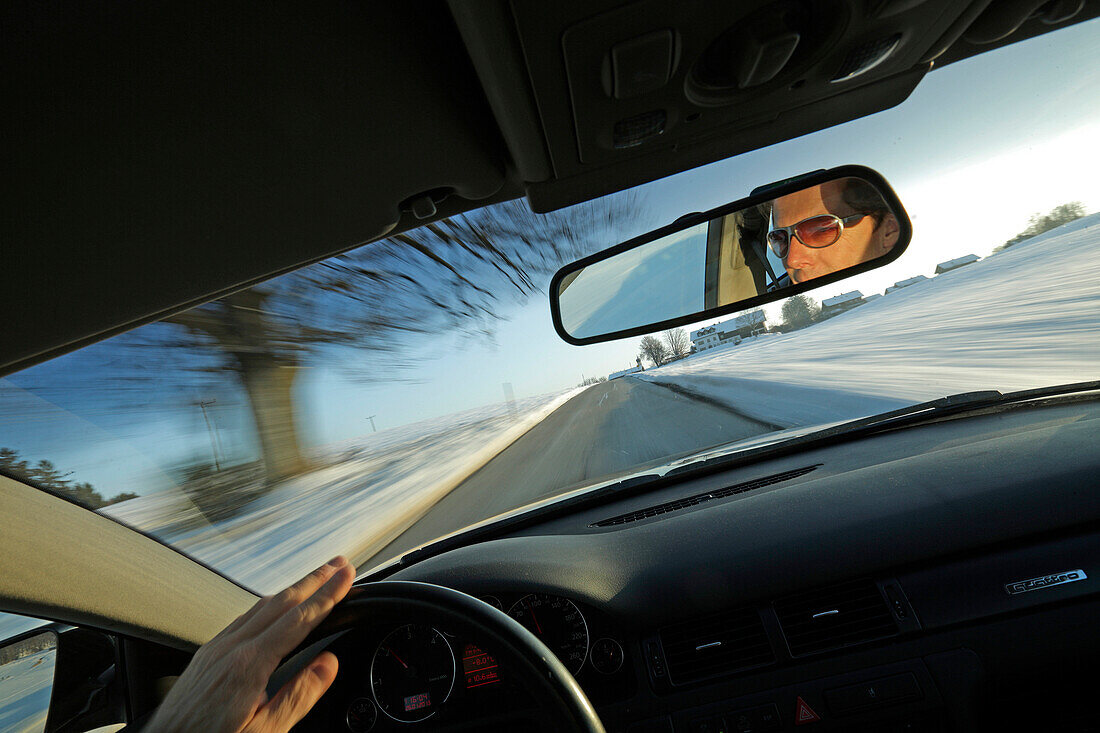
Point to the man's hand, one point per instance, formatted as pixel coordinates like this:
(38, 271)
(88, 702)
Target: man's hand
(223, 688)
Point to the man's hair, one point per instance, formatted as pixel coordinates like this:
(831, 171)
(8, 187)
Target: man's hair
(863, 198)
(860, 196)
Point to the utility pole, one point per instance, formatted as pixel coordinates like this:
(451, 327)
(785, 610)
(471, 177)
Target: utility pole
(210, 429)
(372, 428)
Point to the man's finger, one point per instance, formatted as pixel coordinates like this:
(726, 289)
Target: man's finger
(299, 695)
(288, 631)
(271, 609)
(245, 617)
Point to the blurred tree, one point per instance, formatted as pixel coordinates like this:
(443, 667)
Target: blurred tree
(799, 311)
(10, 463)
(46, 475)
(451, 275)
(1039, 223)
(653, 349)
(677, 342)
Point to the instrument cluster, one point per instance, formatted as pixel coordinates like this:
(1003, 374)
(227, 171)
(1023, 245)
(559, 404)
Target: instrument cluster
(417, 673)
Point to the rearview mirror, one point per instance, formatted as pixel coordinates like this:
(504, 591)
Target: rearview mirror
(784, 239)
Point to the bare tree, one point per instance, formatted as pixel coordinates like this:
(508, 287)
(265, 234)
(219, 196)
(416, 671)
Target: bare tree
(677, 342)
(454, 274)
(799, 311)
(653, 349)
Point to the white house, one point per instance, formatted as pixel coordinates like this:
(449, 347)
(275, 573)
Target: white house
(730, 331)
(623, 373)
(905, 283)
(839, 303)
(956, 263)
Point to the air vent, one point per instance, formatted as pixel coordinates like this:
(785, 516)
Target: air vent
(834, 617)
(690, 501)
(714, 646)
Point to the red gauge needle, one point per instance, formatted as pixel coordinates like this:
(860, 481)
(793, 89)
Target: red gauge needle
(399, 660)
(533, 617)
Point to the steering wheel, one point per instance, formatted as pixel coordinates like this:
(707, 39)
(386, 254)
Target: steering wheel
(529, 661)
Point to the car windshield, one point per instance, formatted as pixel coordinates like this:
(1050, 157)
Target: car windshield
(376, 401)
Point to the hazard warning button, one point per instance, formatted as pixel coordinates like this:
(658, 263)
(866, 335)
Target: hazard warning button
(804, 714)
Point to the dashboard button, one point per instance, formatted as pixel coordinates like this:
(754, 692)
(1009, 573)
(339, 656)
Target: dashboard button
(654, 725)
(854, 697)
(655, 659)
(742, 722)
(767, 718)
(707, 725)
(900, 687)
(873, 693)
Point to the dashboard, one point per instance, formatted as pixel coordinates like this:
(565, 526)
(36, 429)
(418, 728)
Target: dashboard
(937, 578)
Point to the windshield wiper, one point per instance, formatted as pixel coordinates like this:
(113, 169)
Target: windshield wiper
(903, 417)
(958, 403)
(940, 407)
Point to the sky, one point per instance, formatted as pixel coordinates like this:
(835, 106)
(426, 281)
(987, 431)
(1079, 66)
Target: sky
(979, 147)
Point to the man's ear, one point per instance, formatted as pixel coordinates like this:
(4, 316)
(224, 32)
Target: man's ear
(890, 230)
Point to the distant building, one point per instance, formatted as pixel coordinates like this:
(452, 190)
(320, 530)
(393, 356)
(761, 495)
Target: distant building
(624, 372)
(729, 332)
(956, 263)
(837, 304)
(869, 298)
(905, 283)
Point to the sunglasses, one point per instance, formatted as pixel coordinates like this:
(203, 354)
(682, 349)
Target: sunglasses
(816, 231)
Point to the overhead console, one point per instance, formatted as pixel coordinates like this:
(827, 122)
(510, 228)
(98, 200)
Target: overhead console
(625, 93)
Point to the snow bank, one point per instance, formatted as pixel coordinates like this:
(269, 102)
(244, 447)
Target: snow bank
(382, 484)
(1028, 316)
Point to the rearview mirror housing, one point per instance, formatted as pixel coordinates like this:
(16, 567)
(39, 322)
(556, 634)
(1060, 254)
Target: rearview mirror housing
(784, 239)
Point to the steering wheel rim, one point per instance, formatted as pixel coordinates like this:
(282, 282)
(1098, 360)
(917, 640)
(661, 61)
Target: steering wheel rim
(533, 665)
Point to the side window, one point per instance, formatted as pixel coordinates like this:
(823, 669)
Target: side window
(57, 677)
(28, 658)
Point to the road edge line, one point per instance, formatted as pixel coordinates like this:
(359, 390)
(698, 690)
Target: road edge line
(366, 552)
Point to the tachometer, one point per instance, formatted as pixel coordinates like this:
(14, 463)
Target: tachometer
(558, 624)
(412, 673)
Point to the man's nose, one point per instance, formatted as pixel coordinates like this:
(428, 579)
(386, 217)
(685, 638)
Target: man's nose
(799, 255)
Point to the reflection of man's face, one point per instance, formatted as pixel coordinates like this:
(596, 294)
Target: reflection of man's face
(858, 243)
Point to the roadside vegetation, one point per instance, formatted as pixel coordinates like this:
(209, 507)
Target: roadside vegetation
(46, 475)
(1040, 223)
(671, 345)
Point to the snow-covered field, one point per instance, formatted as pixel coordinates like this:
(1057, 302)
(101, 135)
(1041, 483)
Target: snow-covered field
(379, 485)
(25, 692)
(1028, 316)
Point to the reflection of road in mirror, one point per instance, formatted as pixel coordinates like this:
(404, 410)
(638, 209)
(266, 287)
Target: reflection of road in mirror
(26, 678)
(654, 282)
(830, 227)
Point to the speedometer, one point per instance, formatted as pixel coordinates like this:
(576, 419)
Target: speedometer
(558, 624)
(412, 673)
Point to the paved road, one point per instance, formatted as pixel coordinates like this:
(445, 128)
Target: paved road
(607, 429)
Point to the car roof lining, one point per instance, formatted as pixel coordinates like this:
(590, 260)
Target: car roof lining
(62, 562)
(168, 155)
